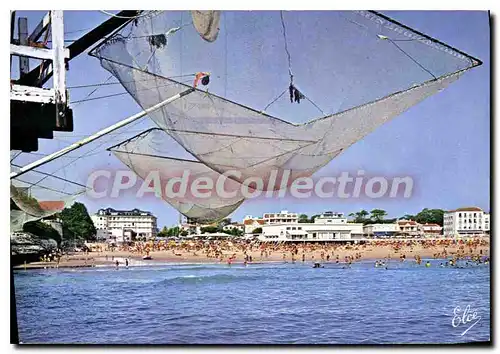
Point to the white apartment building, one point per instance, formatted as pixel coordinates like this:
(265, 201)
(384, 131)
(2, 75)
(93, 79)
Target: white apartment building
(250, 224)
(330, 217)
(431, 229)
(466, 221)
(380, 230)
(122, 225)
(337, 229)
(280, 218)
(409, 228)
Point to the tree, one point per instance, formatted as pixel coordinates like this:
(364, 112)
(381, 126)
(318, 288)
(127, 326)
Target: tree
(360, 216)
(363, 213)
(234, 231)
(257, 230)
(78, 223)
(408, 217)
(430, 216)
(378, 214)
(383, 221)
(209, 229)
(163, 232)
(184, 233)
(303, 218)
(173, 231)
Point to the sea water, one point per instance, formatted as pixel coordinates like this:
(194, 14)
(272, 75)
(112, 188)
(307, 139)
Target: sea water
(259, 303)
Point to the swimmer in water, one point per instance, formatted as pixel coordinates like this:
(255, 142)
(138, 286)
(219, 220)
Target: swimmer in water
(428, 264)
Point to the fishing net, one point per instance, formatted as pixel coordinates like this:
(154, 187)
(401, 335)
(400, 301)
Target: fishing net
(31, 202)
(37, 195)
(346, 74)
(148, 156)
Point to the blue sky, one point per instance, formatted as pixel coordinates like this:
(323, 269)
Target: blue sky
(443, 142)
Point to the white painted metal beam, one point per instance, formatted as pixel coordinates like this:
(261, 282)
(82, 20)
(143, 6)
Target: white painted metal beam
(58, 64)
(32, 94)
(34, 52)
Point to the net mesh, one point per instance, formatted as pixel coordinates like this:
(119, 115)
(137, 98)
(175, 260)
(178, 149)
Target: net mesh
(32, 201)
(359, 69)
(148, 155)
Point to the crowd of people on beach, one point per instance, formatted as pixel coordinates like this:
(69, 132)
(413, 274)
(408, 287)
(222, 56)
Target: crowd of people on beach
(456, 253)
(247, 251)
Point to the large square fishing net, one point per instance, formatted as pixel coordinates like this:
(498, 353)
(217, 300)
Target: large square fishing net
(331, 76)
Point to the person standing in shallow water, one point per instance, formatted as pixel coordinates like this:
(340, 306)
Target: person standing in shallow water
(117, 264)
(126, 262)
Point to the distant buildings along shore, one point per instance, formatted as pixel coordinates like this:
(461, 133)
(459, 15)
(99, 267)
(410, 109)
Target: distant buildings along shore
(128, 225)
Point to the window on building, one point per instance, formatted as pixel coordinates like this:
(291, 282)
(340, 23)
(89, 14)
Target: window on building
(288, 227)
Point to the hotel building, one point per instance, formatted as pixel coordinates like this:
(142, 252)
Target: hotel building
(123, 225)
(466, 221)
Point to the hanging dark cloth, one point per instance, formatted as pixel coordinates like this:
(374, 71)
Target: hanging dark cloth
(295, 94)
(298, 95)
(291, 90)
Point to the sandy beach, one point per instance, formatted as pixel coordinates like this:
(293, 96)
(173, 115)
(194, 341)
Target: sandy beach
(233, 252)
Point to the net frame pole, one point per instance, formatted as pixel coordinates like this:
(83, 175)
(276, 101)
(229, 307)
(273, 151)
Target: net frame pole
(98, 135)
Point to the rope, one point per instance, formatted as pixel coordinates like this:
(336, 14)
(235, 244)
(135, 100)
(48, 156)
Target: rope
(56, 177)
(93, 91)
(123, 82)
(85, 154)
(409, 56)
(99, 97)
(277, 98)
(173, 30)
(315, 105)
(393, 41)
(19, 153)
(225, 53)
(292, 86)
(43, 187)
(121, 93)
(286, 48)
